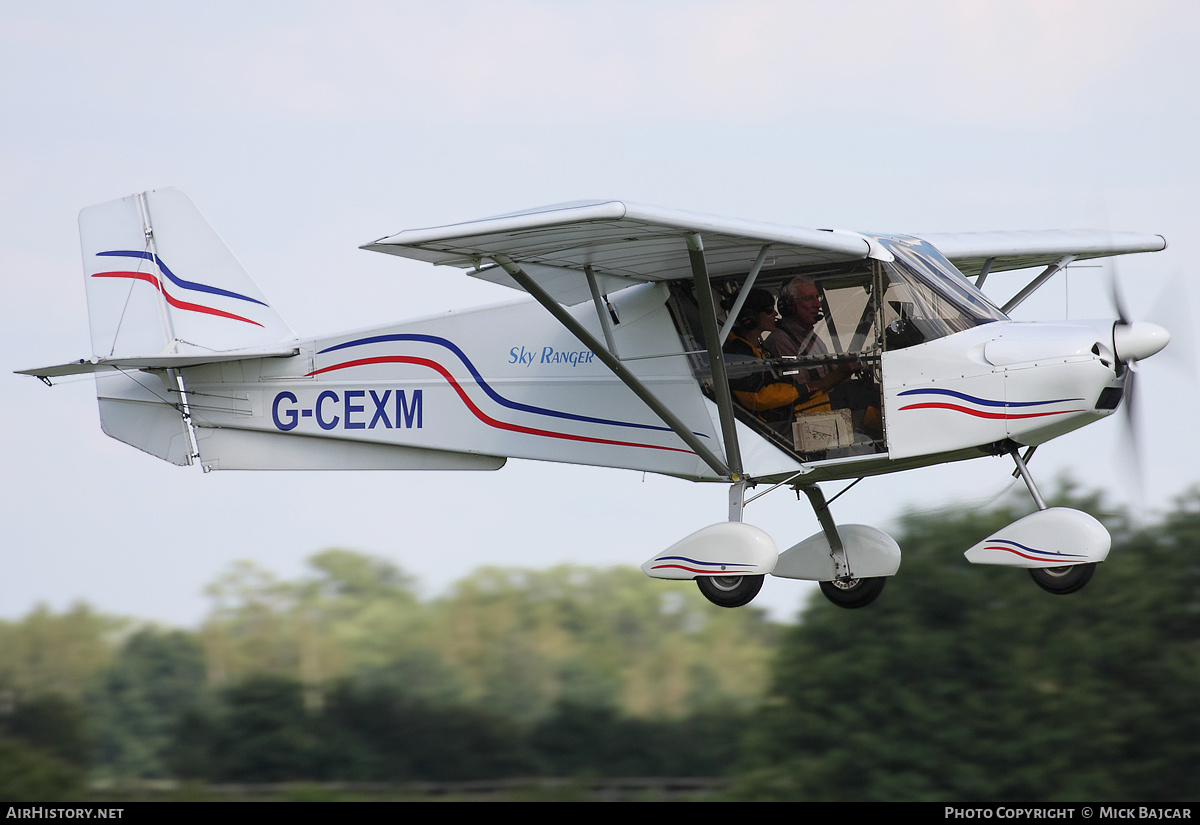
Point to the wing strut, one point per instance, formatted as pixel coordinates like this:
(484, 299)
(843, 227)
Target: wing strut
(716, 358)
(745, 293)
(1036, 283)
(983, 273)
(610, 360)
(602, 304)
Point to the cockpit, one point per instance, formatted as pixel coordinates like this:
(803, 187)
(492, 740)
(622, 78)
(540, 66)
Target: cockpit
(819, 365)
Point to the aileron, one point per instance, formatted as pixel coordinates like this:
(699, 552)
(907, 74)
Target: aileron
(970, 251)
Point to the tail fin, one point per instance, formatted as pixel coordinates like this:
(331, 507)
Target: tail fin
(161, 282)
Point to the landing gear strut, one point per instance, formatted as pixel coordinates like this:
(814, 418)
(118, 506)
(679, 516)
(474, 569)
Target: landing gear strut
(1058, 580)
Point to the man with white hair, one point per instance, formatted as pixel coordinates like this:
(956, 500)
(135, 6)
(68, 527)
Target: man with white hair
(795, 336)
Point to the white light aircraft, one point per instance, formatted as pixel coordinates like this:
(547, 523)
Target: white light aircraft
(652, 343)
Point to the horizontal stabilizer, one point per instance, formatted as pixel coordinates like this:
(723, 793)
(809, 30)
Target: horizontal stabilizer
(88, 366)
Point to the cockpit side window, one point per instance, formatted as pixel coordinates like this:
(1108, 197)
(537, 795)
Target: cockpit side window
(926, 298)
(803, 357)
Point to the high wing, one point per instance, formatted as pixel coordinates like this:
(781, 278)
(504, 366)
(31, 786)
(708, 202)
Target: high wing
(619, 243)
(972, 251)
(568, 253)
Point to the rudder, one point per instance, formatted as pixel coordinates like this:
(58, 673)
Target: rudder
(160, 281)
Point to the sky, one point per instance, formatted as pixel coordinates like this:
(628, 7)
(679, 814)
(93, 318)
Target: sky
(305, 129)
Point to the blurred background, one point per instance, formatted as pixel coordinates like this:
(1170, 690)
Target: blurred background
(152, 615)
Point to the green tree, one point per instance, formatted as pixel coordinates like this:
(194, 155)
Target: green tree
(51, 723)
(966, 683)
(351, 613)
(28, 774)
(59, 654)
(384, 735)
(256, 731)
(136, 701)
(524, 641)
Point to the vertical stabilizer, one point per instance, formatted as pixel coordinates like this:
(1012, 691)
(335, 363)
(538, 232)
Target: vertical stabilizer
(160, 281)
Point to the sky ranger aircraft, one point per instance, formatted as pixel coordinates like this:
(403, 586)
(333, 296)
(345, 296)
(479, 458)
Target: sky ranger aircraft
(643, 348)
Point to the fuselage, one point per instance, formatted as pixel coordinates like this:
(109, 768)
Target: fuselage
(470, 389)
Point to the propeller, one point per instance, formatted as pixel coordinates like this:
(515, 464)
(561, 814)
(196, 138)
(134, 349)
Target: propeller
(1134, 341)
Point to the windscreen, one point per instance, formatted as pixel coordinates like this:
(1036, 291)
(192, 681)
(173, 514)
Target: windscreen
(926, 298)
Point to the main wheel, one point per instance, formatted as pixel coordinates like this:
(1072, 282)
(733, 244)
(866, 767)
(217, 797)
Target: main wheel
(1063, 580)
(853, 593)
(730, 591)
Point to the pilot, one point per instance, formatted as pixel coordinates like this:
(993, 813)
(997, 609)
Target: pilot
(796, 337)
(754, 384)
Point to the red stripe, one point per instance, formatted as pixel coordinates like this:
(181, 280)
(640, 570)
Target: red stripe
(697, 570)
(980, 414)
(1019, 553)
(150, 279)
(486, 419)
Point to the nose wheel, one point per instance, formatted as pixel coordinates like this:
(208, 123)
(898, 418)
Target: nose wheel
(1063, 580)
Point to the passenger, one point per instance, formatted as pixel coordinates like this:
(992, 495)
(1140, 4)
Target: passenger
(796, 337)
(755, 385)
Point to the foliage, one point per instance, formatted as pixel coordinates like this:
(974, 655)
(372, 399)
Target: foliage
(514, 641)
(354, 612)
(973, 684)
(48, 653)
(527, 640)
(582, 740)
(963, 683)
(28, 774)
(136, 700)
(259, 731)
(383, 735)
(52, 724)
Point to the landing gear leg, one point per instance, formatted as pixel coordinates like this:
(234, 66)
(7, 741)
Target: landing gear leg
(845, 590)
(1023, 471)
(1057, 580)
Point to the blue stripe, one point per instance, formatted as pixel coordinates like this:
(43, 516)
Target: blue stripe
(985, 402)
(175, 279)
(495, 396)
(707, 563)
(1039, 552)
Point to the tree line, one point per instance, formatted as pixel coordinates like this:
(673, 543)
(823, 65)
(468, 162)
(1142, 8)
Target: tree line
(959, 683)
(345, 674)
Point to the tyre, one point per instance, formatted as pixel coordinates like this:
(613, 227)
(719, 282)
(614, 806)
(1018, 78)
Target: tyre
(1063, 580)
(730, 591)
(853, 593)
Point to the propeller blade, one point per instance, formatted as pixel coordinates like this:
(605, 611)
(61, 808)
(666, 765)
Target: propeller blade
(1118, 300)
(1174, 311)
(1131, 443)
